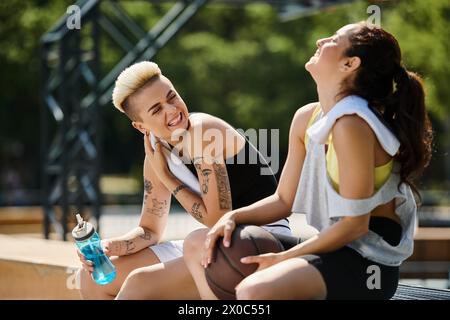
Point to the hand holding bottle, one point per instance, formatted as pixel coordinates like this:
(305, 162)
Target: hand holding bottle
(91, 252)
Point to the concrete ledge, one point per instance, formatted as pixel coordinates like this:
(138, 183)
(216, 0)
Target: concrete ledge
(37, 269)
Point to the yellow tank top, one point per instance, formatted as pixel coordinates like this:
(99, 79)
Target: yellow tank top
(381, 173)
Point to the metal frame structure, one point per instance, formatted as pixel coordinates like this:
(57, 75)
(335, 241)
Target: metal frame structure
(72, 93)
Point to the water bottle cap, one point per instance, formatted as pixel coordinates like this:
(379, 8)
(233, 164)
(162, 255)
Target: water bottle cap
(83, 230)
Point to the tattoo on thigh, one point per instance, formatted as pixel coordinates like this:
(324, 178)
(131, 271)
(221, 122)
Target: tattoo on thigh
(196, 213)
(148, 186)
(223, 185)
(158, 208)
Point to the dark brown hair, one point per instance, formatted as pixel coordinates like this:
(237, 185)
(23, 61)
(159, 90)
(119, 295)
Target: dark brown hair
(396, 93)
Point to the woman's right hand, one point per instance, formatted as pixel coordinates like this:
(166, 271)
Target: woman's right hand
(224, 227)
(88, 265)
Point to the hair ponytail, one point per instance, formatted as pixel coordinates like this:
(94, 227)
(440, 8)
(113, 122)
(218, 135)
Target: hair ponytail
(396, 93)
(411, 124)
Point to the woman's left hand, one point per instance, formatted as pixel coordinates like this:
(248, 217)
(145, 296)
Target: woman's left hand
(263, 260)
(156, 159)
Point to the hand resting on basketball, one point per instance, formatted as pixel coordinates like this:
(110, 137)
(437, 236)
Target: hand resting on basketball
(224, 227)
(264, 260)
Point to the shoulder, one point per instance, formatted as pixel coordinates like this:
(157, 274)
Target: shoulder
(204, 121)
(301, 118)
(207, 133)
(352, 131)
(350, 125)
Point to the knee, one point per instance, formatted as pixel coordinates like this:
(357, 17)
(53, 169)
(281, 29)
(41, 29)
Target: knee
(130, 289)
(194, 242)
(247, 290)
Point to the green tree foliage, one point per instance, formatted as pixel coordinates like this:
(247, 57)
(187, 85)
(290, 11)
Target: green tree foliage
(22, 23)
(239, 63)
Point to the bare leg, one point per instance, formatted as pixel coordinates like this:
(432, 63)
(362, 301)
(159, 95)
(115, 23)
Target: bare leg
(169, 280)
(193, 250)
(124, 265)
(290, 279)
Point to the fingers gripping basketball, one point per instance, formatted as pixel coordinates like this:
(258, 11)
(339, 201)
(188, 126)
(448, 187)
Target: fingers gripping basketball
(226, 270)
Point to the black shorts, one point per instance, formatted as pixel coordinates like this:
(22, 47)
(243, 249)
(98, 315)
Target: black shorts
(350, 276)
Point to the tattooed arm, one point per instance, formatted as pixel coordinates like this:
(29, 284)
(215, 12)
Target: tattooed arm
(216, 194)
(155, 209)
(190, 201)
(215, 197)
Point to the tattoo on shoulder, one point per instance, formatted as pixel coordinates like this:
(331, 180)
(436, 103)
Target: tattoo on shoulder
(158, 208)
(223, 185)
(196, 213)
(148, 186)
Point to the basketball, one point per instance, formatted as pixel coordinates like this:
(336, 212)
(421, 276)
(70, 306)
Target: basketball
(226, 270)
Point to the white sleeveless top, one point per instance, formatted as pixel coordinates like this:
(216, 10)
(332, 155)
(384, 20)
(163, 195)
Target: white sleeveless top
(324, 206)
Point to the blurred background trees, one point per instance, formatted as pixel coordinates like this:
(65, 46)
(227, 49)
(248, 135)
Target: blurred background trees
(240, 63)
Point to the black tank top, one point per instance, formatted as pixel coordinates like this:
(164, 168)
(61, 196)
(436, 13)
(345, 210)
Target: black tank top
(247, 184)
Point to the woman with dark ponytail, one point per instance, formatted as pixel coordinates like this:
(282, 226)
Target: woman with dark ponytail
(353, 158)
(396, 93)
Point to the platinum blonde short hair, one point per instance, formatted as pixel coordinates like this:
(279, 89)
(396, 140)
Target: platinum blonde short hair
(131, 80)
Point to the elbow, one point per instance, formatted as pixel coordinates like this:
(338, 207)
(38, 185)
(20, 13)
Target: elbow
(151, 234)
(356, 227)
(285, 205)
(360, 231)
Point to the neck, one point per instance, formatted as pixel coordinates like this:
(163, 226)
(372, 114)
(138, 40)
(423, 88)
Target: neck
(180, 137)
(327, 98)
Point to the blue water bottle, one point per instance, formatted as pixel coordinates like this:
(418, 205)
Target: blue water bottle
(88, 241)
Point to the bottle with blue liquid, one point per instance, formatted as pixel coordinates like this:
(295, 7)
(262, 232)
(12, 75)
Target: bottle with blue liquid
(88, 241)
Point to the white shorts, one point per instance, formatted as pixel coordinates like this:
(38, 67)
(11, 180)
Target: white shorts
(280, 227)
(169, 250)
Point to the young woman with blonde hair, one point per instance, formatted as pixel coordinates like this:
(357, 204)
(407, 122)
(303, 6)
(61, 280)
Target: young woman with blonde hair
(224, 179)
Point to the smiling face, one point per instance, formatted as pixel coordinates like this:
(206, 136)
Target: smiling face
(330, 62)
(159, 109)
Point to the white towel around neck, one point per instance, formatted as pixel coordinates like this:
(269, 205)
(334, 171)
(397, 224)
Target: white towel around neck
(177, 166)
(320, 130)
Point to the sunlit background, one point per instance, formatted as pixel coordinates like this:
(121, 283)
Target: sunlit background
(64, 148)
